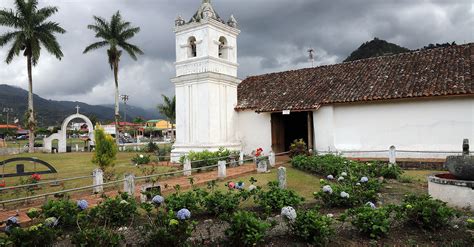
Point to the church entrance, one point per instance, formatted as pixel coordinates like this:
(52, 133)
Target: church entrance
(287, 128)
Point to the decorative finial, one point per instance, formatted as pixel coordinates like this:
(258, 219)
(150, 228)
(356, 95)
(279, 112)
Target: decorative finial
(232, 21)
(179, 21)
(465, 147)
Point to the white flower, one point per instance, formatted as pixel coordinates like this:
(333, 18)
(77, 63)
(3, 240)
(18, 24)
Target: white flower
(344, 195)
(252, 187)
(289, 213)
(123, 202)
(358, 184)
(369, 164)
(364, 179)
(124, 228)
(371, 204)
(141, 155)
(327, 189)
(344, 174)
(390, 165)
(340, 178)
(330, 215)
(330, 177)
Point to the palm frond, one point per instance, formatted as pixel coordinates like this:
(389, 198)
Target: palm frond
(15, 49)
(35, 51)
(95, 46)
(7, 37)
(44, 13)
(129, 33)
(51, 44)
(132, 50)
(50, 27)
(8, 18)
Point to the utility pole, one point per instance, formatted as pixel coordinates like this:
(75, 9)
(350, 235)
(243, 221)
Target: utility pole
(7, 111)
(124, 98)
(311, 56)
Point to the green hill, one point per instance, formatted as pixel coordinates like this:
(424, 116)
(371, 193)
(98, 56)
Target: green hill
(375, 48)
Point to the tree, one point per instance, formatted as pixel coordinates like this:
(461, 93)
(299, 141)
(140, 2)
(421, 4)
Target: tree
(105, 150)
(31, 31)
(168, 109)
(114, 34)
(138, 120)
(375, 48)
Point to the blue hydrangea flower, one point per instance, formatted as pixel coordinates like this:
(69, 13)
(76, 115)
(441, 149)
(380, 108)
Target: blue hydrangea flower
(12, 220)
(344, 194)
(330, 177)
(158, 200)
(240, 185)
(327, 189)
(183, 214)
(364, 179)
(289, 213)
(82, 204)
(371, 204)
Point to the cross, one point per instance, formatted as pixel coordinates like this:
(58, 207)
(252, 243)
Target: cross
(77, 108)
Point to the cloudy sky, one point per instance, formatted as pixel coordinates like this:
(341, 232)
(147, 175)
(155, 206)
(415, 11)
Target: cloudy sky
(275, 36)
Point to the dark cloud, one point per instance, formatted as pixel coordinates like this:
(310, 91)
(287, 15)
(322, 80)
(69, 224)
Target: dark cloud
(276, 35)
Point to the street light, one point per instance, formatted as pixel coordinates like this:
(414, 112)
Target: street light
(124, 98)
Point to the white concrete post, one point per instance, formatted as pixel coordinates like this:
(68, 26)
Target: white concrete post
(97, 179)
(221, 169)
(241, 158)
(187, 167)
(282, 177)
(262, 166)
(129, 184)
(392, 155)
(272, 159)
(77, 148)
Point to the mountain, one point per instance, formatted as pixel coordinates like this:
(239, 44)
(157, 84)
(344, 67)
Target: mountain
(53, 112)
(375, 48)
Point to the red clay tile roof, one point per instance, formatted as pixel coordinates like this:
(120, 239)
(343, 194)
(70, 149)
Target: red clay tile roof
(425, 73)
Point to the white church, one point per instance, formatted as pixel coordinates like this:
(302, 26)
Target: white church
(421, 102)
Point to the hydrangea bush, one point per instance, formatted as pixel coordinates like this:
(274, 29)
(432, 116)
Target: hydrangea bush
(312, 227)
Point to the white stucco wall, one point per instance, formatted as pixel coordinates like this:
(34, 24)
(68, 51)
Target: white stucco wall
(254, 131)
(420, 125)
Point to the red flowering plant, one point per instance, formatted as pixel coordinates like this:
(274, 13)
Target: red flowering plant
(3, 184)
(258, 153)
(35, 178)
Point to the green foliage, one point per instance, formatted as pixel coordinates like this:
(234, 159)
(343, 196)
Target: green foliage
(220, 203)
(33, 213)
(312, 227)
(105, 150)
(358, 194)
(163, 152)
(207, 158)
(97, 236)
(298, 147)
(470, 223)
(36, 235)
(167, 230)
(63, 209)
(246, 229)
(117, 211)
(390, 171)
(168, 108)
(192, 200)
(141, 159)
(151, 147)
(374, 223)
(375, 48)
(275, 198)
(426, 212)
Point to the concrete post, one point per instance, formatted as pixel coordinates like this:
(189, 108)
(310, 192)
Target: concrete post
(77, 148)
(187, 167)
(282, 177)
(272, 159)
(392, 155)
(221, 169)
(241, 158)
(98, 179)
(129, 184)
(262, 166)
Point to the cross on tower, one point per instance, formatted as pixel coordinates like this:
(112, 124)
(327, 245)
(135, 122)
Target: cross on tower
(77, 108)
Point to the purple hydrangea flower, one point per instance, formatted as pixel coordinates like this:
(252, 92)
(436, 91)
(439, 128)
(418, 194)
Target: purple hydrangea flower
(240, 185)
(364, 179)
(344, 194)
(183, 214)
(12, 220)
(330, 177)
(158, 200)
(371, 204)
(82, 204)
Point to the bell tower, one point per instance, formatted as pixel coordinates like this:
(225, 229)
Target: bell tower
(206, 82)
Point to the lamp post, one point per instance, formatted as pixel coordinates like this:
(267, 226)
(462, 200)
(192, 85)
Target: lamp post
(124, 98)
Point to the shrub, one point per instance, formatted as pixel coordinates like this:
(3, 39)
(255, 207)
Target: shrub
(141, 159)
(207, 158)
(116, 211)
(275, 198)
(373, 222)
(425, 212)
(246, 229)
(312, 227)
(36, 235)
(470, 223)
(96, 236)
(151, 147)
(64, 210)
(105, 150)
(298, 147)
(167, 230)
(192, 200)
(220, 203)
(357, 194)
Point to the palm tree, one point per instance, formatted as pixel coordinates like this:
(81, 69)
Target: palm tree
(114, 34)
(31, 32)
(168, 109)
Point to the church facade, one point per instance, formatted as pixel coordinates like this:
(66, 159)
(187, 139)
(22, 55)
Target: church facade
(421, 102)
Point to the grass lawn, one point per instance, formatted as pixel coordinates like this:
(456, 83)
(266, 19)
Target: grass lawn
(70, 165)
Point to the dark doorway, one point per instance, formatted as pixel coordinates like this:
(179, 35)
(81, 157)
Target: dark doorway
(287, 128)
